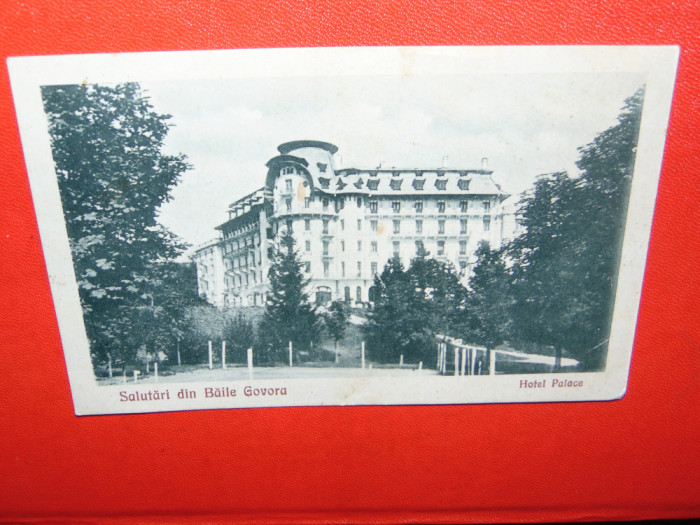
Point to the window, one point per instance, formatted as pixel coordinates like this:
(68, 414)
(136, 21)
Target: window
(325, 268)
(397, 226)
(373, 206)
(373, 225)
(307, 224)
(287, 170)
(308, 246)
(359, 202)
(325, 247)
(342, 269)
(289, 229)
(462, 265)
(487, 206)
(324, 201)
(342, 225)
(441, 184)
(374, 246)
(463, 226)
(325, 226)
(342, 246)
(487, 223)
(396, 246)
(288, 204)
(419, 226)
(288, 185)
(359, 224)
(359, 246)
(463, 184)
(418, 184)
(441, 207)
(374, 268)
(358, 294)
(324, 182)
(307, 202)
(419, 247)
(373, 184)
(462, 247)
(441, 226)
(395, 184)
(396, 206)
(347, 294)
(359, 268)
(464, 206)
(418, 205)
(339, 204)
(441, 247)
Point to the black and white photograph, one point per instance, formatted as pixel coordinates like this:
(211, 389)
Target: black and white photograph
(345, 226)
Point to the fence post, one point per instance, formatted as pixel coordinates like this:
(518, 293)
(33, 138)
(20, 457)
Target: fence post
(250, 364)
(464, 360)
(420, 365)
(155, 370)
(291, 351)
(401, 360)
(109, 365)
(456, 361)
(136, 375)
(473, 361)
(179, 361)
(492, 362)
(437, 365)
(211, 362)
(363, 354)
(223, 354)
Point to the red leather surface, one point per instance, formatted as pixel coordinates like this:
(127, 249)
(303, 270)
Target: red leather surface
(634, 458)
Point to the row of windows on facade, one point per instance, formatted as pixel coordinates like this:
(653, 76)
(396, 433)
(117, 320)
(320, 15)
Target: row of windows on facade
(244, 280)
(396, 245)
(395, 184)
(396, 223)
(247, 242)
(374, 266)
(418, 206)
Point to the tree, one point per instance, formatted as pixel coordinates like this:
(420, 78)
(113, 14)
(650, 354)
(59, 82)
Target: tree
(565, 265)
(390, 322)
(335, 321)
(412, 306)
(289, 315)
(112, 175)
(439, 299)
(239, 332)
(489, 299)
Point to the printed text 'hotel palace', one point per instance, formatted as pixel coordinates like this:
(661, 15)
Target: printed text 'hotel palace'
(347, 223)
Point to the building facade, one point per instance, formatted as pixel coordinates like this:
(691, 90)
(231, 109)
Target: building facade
(347, 223)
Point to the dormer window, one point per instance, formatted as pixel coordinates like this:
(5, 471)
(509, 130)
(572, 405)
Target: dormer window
(321, 167)
(441, 184)
(373, 184)
(287, 170)
(418, 184)
(463, 184)
(395, 184)
(359, 183)
(340, 184)
(324, 182)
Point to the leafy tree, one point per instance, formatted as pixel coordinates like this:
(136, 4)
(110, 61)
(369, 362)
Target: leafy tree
(439, 299)
(390, 322)
(239, 333)
(289, 315)
(565, 265)
(412, 306)
(489, 299)
(335, 321)
(113, 177)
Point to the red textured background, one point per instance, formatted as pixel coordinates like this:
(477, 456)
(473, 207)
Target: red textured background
(634, 458)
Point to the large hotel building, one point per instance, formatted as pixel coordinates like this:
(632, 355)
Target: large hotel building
(347, 223)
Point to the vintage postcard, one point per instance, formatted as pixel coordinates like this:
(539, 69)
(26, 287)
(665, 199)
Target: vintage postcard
(349, 226)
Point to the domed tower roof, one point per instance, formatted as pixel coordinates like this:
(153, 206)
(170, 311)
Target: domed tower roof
(287, 147)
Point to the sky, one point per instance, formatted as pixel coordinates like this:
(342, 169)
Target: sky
(526, 125)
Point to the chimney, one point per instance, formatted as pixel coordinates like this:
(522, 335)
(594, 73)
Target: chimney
(484, 163)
